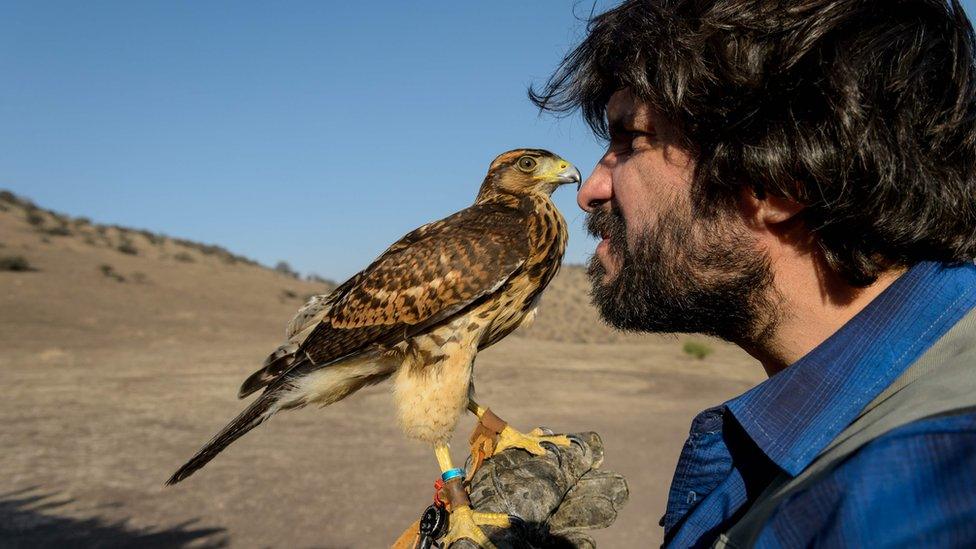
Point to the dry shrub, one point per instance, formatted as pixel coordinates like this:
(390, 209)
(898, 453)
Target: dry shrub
(314, 277)
(59, 230)
(35, 218)
(288, 294)
(15, 263)
(127, 247)
(154, 238)
(219, 252)
(284, 268)
(110, 272)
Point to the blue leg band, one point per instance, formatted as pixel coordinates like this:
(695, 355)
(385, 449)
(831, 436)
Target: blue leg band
(452, 473)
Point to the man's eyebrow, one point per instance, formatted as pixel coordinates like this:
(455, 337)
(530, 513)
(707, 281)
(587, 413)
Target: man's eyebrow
(618, 125)
(629, 123)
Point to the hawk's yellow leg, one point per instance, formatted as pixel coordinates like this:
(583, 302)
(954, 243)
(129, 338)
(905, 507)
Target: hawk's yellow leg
(463, 521)
(510, 438)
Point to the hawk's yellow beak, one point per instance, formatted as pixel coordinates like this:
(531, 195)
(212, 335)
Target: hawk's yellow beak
(568, 173)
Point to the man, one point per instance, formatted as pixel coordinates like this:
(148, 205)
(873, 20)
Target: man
(798, 178)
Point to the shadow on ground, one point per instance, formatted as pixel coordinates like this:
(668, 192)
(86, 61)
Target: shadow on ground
(29, 518)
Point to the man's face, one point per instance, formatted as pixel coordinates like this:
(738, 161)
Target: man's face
(659, 267)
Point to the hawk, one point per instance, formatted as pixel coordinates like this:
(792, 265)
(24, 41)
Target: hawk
(419, 314)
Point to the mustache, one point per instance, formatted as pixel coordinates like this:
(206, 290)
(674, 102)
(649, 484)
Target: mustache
(608, 223)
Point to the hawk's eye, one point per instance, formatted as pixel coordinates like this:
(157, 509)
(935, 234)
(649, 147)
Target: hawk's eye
(526, 163)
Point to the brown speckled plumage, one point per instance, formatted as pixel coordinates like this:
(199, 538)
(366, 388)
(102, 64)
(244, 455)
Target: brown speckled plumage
(422, 310)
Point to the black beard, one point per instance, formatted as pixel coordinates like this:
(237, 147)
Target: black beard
(676, 281)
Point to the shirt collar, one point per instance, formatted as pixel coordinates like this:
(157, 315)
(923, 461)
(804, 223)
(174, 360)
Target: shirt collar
(793, 415)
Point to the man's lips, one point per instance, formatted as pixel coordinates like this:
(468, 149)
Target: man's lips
(604, 225)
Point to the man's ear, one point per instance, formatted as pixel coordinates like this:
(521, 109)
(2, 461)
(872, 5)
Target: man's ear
(768, 211)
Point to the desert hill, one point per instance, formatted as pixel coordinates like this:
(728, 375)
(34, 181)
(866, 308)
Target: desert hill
(109, 282)
(121, 352)
(118, 274)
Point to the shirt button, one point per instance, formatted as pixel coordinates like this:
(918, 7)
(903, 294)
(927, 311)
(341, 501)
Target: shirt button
(692, 496)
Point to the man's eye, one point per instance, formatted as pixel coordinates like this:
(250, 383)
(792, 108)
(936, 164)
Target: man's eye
(620, 146)
(622, 143)
(629, 141)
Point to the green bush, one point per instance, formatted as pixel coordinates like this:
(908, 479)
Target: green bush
(184, 257)
(17, 263)
(697, 349)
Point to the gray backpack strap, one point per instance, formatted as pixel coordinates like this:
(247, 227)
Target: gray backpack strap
(941, 382)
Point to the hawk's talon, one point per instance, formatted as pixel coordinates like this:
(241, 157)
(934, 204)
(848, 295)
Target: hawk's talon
(498, 520)
(466, 523)
(531, 442)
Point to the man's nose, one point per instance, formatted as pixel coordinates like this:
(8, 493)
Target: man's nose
(596, 190)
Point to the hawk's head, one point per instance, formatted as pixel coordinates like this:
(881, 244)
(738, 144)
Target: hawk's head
(527, 171)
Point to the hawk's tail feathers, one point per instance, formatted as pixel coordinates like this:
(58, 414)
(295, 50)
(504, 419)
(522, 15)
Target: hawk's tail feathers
(277, 363)
(252, 416)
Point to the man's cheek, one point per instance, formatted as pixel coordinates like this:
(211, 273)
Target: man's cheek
(634, 229)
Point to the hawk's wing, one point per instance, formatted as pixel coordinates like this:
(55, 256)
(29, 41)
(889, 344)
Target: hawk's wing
(307, 317)
(296, 332)
(425, 278)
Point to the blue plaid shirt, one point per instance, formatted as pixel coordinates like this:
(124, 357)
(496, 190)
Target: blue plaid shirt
(915, 485)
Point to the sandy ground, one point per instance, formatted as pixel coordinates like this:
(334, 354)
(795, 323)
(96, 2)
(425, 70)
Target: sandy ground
(109, 386)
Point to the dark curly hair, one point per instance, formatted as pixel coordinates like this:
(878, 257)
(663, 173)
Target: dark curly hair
(861, 110)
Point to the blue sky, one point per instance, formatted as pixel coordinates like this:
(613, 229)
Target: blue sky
(311, 132)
